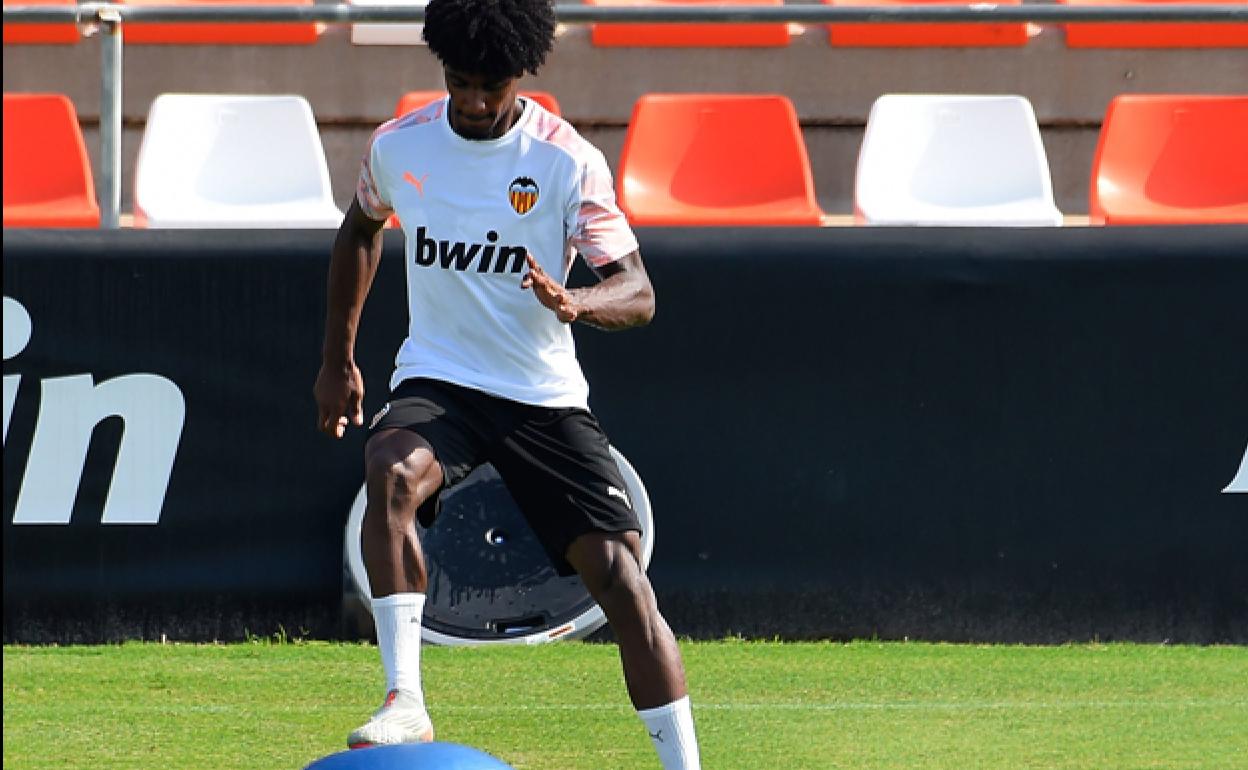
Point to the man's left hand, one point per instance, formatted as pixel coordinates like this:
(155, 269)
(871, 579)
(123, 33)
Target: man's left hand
(549, 292)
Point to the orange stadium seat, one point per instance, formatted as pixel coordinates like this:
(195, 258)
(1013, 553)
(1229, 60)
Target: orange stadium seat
(414, 99)
(1164, 159)
(222, 33)
(689, 35)
(716, 159)
(1153, 34)
(934, 34)
(47, 172)
(41, 33)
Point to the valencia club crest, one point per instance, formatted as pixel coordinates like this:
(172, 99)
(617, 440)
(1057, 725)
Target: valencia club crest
(523, 194)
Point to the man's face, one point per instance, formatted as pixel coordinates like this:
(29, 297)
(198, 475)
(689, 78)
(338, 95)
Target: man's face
(482, 106)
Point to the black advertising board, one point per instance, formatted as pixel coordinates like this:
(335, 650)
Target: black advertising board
(937, 433)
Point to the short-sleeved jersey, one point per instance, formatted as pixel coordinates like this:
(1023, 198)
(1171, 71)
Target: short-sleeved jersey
(470, 210)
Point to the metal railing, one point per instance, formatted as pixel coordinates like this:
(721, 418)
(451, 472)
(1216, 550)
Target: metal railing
(108, 19)
(87, 13)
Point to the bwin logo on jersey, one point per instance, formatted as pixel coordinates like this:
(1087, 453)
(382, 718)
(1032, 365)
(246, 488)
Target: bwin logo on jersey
(457, 255)
(523, 194)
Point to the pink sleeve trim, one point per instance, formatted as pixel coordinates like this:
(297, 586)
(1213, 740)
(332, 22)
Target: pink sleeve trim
(601, 234)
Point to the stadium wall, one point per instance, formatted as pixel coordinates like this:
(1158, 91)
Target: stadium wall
(1006, 435)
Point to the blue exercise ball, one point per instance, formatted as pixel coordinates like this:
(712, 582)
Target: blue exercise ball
(411, 756)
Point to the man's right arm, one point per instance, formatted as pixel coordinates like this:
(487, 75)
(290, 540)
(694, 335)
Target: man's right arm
(339, 388)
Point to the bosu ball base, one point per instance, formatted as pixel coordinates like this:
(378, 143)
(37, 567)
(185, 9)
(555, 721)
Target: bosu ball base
(411, 756)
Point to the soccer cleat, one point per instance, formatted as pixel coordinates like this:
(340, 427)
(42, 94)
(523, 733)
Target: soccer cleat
(401, 719)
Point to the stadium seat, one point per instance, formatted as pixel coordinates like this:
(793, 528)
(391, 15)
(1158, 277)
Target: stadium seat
(388, 34)
(47, 172)
(1153, 34)
(65, 34)
(929, 159)
(1165, 159)
(415, 99)
(933, 34)
(689, 35)
(221, 33)
(222, 160)
(716, 159)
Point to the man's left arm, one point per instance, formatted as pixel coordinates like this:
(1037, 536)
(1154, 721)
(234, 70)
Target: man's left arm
(622, 298)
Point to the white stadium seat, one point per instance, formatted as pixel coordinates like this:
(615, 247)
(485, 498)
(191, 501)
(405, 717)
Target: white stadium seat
(388, 34)
(929, 159)
(225, 160)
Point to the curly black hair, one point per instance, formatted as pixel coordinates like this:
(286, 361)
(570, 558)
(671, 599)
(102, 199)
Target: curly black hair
(503, 38)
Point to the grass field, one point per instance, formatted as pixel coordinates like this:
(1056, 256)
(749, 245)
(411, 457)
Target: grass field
(778, 706)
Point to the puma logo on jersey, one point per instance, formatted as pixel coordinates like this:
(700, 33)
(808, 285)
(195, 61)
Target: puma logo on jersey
(419, 184)
(457, 255)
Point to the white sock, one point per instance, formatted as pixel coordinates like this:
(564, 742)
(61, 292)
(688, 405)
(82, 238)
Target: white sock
(671, 731)
(397, 618)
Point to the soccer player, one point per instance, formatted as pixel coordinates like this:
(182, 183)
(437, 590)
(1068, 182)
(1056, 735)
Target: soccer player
(496, 197)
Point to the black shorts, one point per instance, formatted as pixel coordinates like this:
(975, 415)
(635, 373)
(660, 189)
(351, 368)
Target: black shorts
(556, 462)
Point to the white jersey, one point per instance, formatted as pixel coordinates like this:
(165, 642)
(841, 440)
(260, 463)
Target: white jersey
(470, 210)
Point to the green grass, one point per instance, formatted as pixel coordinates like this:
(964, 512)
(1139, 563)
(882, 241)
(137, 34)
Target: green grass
(563, 706)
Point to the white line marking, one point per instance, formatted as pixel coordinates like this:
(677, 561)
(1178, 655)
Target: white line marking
(853, 706)
(436, 707)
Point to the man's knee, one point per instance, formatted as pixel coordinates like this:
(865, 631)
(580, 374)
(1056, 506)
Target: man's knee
(400, 466)
(610, 569)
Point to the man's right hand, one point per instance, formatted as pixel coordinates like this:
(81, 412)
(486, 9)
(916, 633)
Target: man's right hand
(339, 392)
